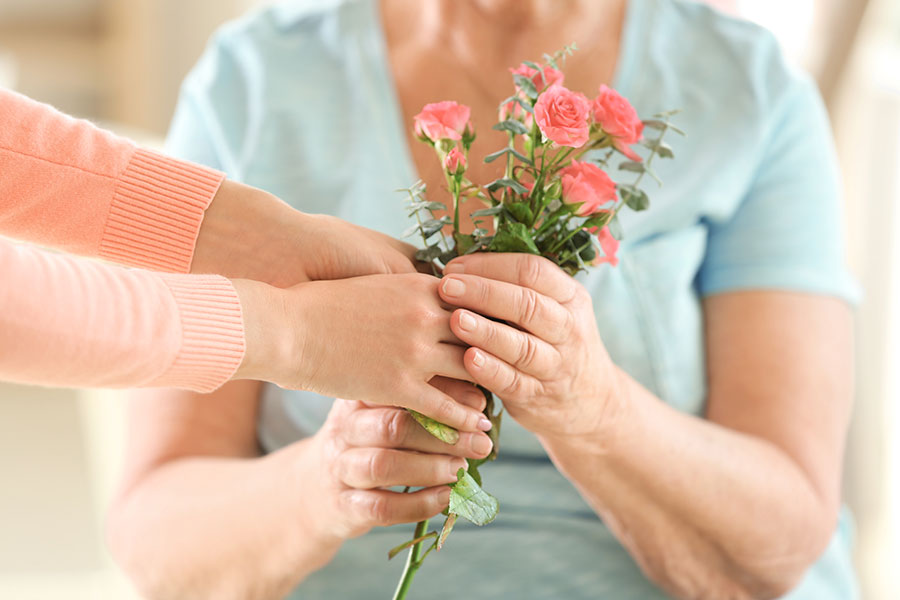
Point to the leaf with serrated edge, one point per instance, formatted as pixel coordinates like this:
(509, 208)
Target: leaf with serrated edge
(472, 503)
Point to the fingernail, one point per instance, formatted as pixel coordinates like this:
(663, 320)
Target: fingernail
(455, 267)
(484, 424)
(456, 465)
(454, 287)
(443, 496)
(481, 444)
(478, 359)
(467, 322)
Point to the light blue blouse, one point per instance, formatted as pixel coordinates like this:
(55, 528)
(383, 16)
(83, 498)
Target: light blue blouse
(298, 99)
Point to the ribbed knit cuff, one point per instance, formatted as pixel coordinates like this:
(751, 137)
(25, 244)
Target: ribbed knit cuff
(156, 212)
(212, 324)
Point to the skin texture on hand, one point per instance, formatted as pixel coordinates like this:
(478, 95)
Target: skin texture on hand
(391, 332)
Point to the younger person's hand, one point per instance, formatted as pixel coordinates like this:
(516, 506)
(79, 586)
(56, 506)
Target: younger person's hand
(380, 338)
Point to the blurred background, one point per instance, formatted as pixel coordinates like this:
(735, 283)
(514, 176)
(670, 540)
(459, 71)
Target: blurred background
(120, 62)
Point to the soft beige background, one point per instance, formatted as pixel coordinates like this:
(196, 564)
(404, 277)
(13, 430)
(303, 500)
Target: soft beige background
(121, 61)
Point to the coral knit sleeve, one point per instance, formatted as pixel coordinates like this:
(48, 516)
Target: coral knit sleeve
(71, 321)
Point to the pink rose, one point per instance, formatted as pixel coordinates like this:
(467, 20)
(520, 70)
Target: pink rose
(562, 116)
(550, 76)
(586, 184)
(455, 162)
(442, 120)
(609, 245)
(618, 119)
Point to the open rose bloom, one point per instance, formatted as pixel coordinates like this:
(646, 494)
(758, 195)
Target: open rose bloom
(569, 167)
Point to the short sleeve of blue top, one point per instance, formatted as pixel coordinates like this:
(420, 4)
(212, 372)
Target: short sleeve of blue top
(298, 98)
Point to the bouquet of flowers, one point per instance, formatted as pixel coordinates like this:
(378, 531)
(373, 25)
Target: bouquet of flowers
(555, 199)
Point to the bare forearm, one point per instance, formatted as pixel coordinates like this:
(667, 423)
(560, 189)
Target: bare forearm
(217, 528)
(709, 512)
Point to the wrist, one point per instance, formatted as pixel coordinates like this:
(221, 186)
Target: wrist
(246, 233)
(268, 335)
(610, 426)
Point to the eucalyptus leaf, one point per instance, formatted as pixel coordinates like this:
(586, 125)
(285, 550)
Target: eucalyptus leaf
(464, 242)
(448, 255)
(472, 503)
(634, 198)
(488, 212)
(615, 228)
(410, 230)
(633, 166)
(511, 125)
(428, 254)
(526, 85)
(495, 155)
(445, 433)
(508, 183)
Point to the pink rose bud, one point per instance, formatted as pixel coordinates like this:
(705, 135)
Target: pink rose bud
(618, 119)
(562, 116)
(442, 120)
(455, 162)
(541, 79)
(587, 184)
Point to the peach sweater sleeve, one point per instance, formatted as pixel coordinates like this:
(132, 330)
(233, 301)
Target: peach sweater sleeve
(70, 321)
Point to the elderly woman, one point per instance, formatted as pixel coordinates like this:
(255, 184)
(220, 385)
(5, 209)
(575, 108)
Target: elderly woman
(678, 421)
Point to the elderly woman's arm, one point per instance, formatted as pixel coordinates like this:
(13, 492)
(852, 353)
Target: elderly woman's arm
(201, 514)
(737, 505)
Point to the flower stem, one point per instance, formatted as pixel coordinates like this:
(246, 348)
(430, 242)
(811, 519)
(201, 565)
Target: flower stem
(413, 562)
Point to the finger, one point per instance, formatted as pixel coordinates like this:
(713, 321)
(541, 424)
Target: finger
(500, 377)
(395, 428)
(368, 468)
(446, 360)
(534, 312)
(461, 391)
(527, 270)
(444, 409)
(383, 508)
(523, 351)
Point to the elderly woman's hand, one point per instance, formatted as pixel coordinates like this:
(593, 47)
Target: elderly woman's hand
(548, 364)
(362, 450)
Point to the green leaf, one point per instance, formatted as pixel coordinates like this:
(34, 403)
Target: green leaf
(514, 237)
(432, 226)
(479, 232)
(442, 432)
(615, 228)
(445, 530)
(662, 126)
(508, 183)
(464, 242)
(495, 155)
(448, 255)
(633, 166)
(428, 254)
(472, 503)
(488, 212)
(525, 84)
(511, 125)
(521, 212)
(598, 220)
(634, 198)
(398, 549)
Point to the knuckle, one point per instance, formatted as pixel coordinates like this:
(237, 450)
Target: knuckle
(528, 350)
(529, 271)
(529, 305)
(515, 383)
(395, 427)
(379, 465)
(379, 509)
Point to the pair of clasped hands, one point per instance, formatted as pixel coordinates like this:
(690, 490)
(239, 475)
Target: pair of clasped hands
(363, 324)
